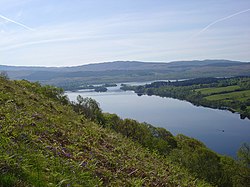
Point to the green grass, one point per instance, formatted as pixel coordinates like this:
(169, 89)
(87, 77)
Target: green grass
(239, 95)
(216, 90)
(43, 142)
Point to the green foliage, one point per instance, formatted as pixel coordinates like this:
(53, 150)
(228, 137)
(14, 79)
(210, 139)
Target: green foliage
(184, 151)
(101, 89)
(89, 108)
(44, 142)
(244, 154)
(244, 168)
(4, 75)
(155, 139)
(193, 155)
(187, 152)
(206, 164)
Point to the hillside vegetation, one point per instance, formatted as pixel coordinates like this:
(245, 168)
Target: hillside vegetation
(47, 141)
(43, 142)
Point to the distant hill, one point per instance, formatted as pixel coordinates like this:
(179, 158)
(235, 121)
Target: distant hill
(136, 65)
(124, 65)
(125, 71)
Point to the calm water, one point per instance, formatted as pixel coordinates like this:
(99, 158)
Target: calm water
(176, 116)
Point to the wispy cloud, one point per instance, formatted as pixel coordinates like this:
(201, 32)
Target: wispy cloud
(129, 25)
(40, 42)
(217, 21)
(124, 31)
(17, 23)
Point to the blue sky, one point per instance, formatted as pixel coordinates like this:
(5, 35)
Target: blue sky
(76, 32)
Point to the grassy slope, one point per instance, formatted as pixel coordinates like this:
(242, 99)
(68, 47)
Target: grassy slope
(45, 143)
(234, 95)
(215, 90)
(227, 96)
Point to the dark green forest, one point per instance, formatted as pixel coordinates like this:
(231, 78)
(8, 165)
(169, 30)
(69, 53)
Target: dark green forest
(46, 140)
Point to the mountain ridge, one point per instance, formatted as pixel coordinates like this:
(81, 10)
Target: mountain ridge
(180, 62)
(127, 71)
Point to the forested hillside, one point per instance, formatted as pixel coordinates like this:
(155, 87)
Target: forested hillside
(45, 140)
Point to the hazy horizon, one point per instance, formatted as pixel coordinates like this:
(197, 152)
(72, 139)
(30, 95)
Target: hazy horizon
(38, 66)
(72, 33)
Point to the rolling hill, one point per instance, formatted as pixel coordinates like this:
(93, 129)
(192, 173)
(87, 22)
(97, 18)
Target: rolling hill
(126, 71)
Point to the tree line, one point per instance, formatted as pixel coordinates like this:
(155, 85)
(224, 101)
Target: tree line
(187, 90)
(187, 152)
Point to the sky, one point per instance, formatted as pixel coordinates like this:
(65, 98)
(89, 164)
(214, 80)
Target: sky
(76, 32)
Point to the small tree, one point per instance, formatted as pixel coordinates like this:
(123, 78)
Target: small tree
(90, 108)
(244, 154)
(4, 74)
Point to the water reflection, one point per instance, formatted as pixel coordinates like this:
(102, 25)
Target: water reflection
(220, 130)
